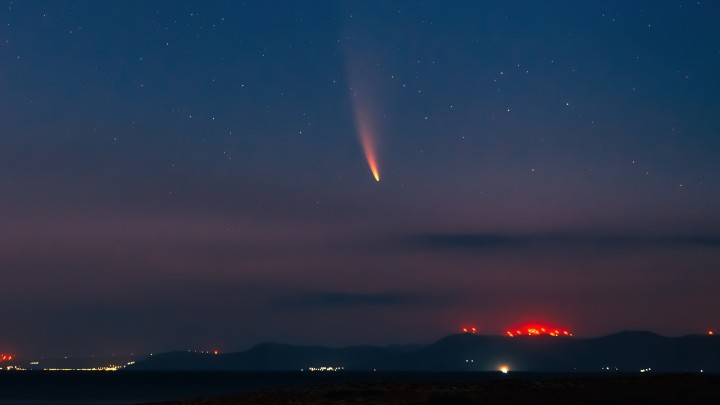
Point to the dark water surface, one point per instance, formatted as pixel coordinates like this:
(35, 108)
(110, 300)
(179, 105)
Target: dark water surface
(131, 387)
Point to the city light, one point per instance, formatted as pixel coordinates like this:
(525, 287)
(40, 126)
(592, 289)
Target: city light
(325, 368)
(110, 367)
(504, 369)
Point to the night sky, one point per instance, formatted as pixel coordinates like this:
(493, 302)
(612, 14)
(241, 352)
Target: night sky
(193, 175)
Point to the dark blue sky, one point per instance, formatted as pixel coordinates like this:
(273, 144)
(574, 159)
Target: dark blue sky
(187, 174)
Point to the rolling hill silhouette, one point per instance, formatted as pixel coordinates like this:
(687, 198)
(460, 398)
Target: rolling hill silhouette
(629, 351)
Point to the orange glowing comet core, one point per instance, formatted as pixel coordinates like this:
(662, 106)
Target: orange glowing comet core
(368, 144)
(370, 156)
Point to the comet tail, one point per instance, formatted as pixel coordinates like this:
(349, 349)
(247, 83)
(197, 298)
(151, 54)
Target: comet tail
(368, 144)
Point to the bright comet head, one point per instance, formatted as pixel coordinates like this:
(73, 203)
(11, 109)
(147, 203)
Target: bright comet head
(368, 144)
(370, 156)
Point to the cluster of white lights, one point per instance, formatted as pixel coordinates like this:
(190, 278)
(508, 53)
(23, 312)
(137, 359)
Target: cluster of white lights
(110, 367)
(325, 368)
(645, 370)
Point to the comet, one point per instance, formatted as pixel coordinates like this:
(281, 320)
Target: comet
(367, 142)
(365, 102)
(370, 157)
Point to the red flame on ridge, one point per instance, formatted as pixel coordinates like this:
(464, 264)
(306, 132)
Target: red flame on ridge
(538, 330)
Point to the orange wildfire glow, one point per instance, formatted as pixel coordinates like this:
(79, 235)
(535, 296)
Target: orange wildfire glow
(537, 330)
(711, 332)
(469, 330)
(6, 357)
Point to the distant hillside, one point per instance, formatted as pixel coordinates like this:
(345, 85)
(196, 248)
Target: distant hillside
(625, 351)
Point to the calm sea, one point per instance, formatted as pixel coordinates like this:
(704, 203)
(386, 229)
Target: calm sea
(133, 387)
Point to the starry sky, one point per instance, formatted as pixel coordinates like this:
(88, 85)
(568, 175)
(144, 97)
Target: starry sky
(192, 174)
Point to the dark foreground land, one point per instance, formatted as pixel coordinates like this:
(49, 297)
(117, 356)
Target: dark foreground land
(659, 389)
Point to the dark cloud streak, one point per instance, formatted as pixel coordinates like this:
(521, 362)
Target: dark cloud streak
(495, 242)
(343, 300)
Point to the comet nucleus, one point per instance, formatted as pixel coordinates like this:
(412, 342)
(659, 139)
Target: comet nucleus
(368, 144)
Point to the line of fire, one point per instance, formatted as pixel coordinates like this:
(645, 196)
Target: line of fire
(536, 330)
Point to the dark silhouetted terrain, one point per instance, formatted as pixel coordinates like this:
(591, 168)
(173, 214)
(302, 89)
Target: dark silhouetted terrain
(624, 352)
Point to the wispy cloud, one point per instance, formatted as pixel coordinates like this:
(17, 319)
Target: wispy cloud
(359, 300)
(496, 241)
